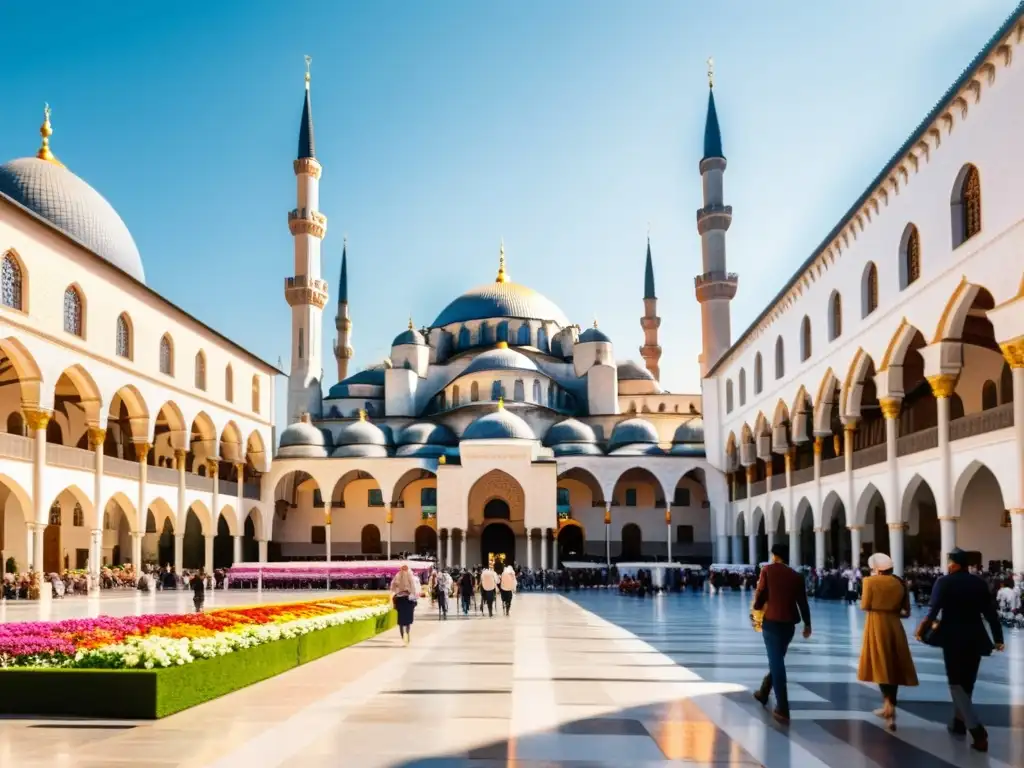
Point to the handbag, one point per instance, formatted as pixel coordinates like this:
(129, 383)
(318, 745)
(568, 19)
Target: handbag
(928, 632)
(756, 617)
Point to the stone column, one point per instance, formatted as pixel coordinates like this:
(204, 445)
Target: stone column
(389, 520)
(850, 504)
(208, 552)
(819, 548)
(544, 549)
(752, 548)
(1017, 543)
(240, 514)
(737, 550)
(179, 550)
(1013, 351)
(893, 507)
(96, 437)
(529, 549)
(182, 510)
(137, 550)
(943, 385)
(794, 547)
(327, 530)
(554, 548)
(896, 546)
(668, 532)
(722, 549)
(607, 535)
(462, 548)
(213, 470)
(236, 554)
(855, 544)
(30, 545)
(263, 550)
(141, 453)
(37, 421)
(794, 542)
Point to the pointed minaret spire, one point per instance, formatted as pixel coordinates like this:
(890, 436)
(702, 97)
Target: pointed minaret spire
(650, 322)
(342, 323)
(715, 286)
(306, 290)
(46, 131)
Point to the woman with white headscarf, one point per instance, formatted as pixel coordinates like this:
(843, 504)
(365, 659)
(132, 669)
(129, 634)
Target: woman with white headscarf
(507, 586)
(885, 654)
(406, 590)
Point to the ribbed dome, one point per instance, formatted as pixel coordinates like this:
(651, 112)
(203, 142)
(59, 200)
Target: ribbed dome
(66, 201)
(592, 335)
(501, 359)
(425, 433)
(570, 431)
(633, 371)
(500, 425)
(411, 336)
(633, 431)
(495, 300)
(302, 440)
(361, 433)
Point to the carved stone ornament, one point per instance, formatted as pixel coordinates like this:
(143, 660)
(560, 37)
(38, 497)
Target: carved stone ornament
(97, 436)
(942, 384)
(891, 407)
(1013, 351)
(36, 419)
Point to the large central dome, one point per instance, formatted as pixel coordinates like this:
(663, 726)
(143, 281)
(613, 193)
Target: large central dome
(501, 300)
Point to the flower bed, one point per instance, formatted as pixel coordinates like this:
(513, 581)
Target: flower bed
(152, 666)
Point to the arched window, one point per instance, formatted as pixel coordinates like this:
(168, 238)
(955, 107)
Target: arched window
(835, 316)
(465, 340)
(73, 311)
(229, 384)
(758, 377)
(485, 336)
(965, 205)
(523, 339)
(55, 515)
(124, 337)
(728, 396)
(11, 282)
(910, 256)
(536, 391)
(542, 339)
(166, 355)
(805, 338)
(442, 400)
(743, 387)
(551, 395)
(869, 290)
(503, 331)
(78, 516)
(780, 359)
(497, 391)
(455, 396)
(474, 392)
(519, 391)
(989, 396)
(200, 370)
(255, 394)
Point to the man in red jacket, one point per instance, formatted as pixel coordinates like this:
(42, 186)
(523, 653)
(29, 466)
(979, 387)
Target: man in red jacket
(782, 595)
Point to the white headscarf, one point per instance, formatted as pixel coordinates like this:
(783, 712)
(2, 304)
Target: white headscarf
(404, 581)
(880, 562)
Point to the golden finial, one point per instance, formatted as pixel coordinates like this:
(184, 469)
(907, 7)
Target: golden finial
(502, 345)
(442, 459)
(502, 274)
(501, 403)
(711, 72)
(46, 131)
(362, 414)
(309, 60)
(410, 322)
(595, 322)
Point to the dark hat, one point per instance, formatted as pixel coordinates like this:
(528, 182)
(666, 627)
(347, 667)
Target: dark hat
(781, 551)
(959, 557)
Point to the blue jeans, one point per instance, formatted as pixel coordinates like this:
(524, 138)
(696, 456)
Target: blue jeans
(777, 637)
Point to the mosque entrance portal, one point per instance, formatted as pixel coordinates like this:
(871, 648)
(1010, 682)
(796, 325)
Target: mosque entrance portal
(498, 545)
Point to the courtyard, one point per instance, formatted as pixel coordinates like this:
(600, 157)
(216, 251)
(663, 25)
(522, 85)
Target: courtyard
(587, 678)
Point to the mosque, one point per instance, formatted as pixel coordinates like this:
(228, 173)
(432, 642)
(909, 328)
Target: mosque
(892, 420)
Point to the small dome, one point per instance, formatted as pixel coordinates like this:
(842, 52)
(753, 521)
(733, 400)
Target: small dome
(362, 432)
(689, 450)
(360, 452)
(631, 370)
(425, 433)
(500, 359)
(410, 336)
(570, 431)
(303, 440)
(576, 449)
(424, 451)
(633, 431)
(690, 432)
(592, 335)
(499, 425)
(373, 377)
(54, 193)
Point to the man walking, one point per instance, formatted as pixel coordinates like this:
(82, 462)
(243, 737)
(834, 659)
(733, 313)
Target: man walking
(782, 596)
(444, 588)
(963, 599)
(466, 590)
(488, 584)
(198, 584)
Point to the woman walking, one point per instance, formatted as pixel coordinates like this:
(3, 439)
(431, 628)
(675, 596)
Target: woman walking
(507, 585)
(406, 591)
(885, 654)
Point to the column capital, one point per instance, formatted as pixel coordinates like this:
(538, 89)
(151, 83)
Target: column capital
(855, 527)
(97, 436)
(36, 418)
(1015, 511)
(212, 466)
(608, 515)
(821, 530)
(768, 469)
(240, 469)
(327, 516)
(750, 473)
(668, 515)
(948, 517)
(942, 384)
(817, 445)
(389, 518)
(179, 535)
(142, 451)
(1013, 351)
(897, 526)
(891, 407)
(850, 425)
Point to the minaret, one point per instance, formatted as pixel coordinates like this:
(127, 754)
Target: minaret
(716, 287)
(650, 322)
(306, 292)
(343, 345)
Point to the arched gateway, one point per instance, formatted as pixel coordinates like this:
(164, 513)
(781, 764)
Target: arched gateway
(497, 508)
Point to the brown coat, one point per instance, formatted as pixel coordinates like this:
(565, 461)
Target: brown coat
(885, 655)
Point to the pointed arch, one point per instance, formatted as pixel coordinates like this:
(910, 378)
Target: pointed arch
(13, 288)
(229, 383)
(167, 355)
(200, 370)
(965, 205)
(910, 256)
(74, 311)
(869, 289)
(781, 414)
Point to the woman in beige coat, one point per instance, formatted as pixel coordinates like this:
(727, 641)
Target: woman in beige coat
(885, 654)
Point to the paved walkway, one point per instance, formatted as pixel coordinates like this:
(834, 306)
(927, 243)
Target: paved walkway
(594, 679)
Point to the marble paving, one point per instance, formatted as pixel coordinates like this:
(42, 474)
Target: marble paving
(578, 680)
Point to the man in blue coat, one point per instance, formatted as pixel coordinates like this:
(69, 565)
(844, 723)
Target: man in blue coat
(962, 599)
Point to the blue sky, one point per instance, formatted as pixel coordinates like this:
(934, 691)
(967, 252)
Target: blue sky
(564, 127)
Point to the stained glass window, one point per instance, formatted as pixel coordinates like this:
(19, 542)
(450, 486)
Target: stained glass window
(72, 311)
(124, 338)
(913, 256)
(55, 513)
(972, 203)
(79, 516)
(11, 282)
(166, 356)
(200, 371)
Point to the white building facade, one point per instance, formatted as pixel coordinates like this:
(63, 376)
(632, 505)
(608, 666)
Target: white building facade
(877, 402)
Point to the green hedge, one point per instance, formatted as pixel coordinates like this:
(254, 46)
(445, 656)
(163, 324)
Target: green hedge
(154, 693)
